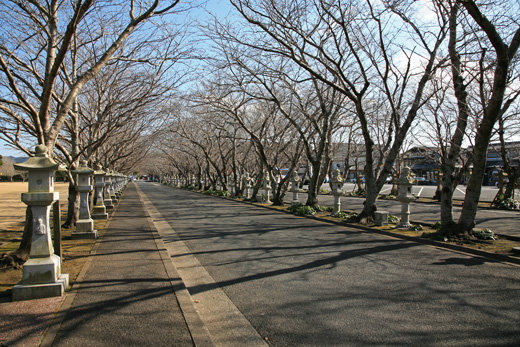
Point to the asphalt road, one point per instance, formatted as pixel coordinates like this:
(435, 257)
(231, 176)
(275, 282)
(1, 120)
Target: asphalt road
(300, 282)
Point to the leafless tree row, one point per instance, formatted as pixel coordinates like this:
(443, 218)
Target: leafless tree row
(276, 85)
(384, 72)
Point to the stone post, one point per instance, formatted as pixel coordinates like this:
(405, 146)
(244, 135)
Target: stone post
(99, 211)
(295, 188)
(85, 224)
(405, 196)
(247, 185)
(42, 277)
(232, 185)
(112, 188)
(267, 187)
(276, 182)
(337, 184)
(109, 204)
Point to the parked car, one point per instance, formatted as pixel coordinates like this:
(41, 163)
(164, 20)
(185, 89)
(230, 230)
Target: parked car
(421, 181)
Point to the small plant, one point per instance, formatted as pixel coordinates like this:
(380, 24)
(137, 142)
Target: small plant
(352, 217)
(223, 193)
(437, 226)
(328, 209)
(319, 208)
(393, 219)
(509, 204)
(209, 192)
(294, 208)
(416, 227)
(324, 191)
(484, 234)
(305, 211)
(341, 214)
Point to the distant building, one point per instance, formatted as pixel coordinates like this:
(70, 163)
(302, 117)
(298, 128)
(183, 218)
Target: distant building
(423, 161)
(495, 161)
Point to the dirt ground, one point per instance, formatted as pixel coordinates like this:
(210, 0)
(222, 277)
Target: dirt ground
(12, 209)
(12, 218)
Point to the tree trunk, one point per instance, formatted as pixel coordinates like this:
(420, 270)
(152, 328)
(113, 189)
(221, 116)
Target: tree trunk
(73, 206)
(513, 174)
(21, 255)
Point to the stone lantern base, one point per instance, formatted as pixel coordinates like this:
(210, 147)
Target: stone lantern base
(84, 230)
(42, 278)
(99, 212)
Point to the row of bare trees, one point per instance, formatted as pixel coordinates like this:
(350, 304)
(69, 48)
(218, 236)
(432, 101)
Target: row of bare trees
(297, 74)
(276, 85)
(87, 79)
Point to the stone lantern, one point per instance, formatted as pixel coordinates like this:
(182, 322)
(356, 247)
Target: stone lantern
(337, 184)
(99, 211)
(109, 204)
(112, 187)
(267, 186)
(295, 188)
(231, 183)
(85, 224)
(405, 196)
(247, 185)
(42, 277)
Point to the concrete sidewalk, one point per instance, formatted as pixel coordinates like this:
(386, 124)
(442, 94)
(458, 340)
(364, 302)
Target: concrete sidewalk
(129, 294)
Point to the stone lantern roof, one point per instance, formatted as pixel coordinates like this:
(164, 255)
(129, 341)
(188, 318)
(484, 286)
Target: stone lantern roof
(83, 169)
(40, 161)
(99, 170)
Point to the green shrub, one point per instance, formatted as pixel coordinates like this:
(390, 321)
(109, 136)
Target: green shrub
(416, 227)
(509, 204)
(305, 210)
(294, 208)
(341, 214)
(437, 226)
(484, 234)
(393, 219)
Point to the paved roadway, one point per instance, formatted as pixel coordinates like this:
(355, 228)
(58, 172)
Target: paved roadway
(301, 282)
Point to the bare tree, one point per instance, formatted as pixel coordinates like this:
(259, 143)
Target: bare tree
(34, 51)
(483, 62)
(353, 49)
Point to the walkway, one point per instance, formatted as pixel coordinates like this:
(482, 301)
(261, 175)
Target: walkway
(127, 297)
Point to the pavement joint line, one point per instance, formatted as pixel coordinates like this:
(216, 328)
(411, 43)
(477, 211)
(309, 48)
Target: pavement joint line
(50, 334)
(199, 333)
(214, 303)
